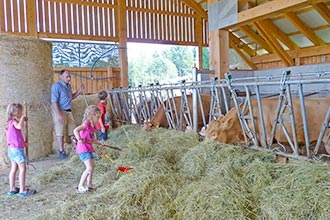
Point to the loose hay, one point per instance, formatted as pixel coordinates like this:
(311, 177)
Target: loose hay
(300, 191)
(207, 156)
(183, 178)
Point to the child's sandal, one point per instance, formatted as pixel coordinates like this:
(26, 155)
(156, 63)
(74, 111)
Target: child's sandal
(29, 192)
(81, 190)
(11, 193)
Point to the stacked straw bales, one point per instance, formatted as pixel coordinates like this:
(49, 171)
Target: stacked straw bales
(26, 76)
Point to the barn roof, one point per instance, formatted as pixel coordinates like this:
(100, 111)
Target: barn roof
(265, 33)
(272, 29)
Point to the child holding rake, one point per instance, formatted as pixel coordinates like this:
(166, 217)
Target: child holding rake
(84, 134)
(102, 125)
(16, 145)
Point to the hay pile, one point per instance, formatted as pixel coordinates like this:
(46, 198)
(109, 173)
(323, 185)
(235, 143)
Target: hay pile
(177, 176)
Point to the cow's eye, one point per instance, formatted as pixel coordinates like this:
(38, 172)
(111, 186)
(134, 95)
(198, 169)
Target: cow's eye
(213, 135)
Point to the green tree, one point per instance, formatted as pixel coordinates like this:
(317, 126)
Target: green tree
(206, 57)
(182, 57)
(143, 70)
(160, 69)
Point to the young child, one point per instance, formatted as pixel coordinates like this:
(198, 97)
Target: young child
(16, 145)
(84, 134)
(102, 125)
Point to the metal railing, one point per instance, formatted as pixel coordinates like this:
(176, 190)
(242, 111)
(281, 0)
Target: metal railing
(195, 104)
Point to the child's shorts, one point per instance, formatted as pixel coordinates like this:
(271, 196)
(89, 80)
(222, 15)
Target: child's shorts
(16, 155)
(86, 156)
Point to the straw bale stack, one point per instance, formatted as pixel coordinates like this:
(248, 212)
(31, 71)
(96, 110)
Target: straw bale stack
(26, 76)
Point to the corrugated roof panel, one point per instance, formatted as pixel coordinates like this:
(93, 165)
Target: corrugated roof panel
(313, 19)
(301, 40)
(324, 34)
(262, 52)
(246, 40)
(239, 33)
(285, 25)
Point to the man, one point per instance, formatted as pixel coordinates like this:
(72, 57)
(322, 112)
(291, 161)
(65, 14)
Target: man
(61, 99)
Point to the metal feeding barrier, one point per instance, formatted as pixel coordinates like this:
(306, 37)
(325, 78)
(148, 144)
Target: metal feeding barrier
(285, 87)
(195, 104)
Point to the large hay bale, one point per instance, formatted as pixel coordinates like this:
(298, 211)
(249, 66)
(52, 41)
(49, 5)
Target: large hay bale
(26, 76)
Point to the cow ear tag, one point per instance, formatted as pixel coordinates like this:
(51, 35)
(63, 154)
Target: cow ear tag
(227, 124)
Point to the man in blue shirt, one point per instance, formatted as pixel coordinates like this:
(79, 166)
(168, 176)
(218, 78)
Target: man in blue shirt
(61, 99)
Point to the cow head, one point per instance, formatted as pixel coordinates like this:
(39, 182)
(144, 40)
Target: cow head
(148, 125)
(225, 129)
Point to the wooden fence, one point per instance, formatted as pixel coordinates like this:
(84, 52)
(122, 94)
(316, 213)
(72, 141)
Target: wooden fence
(103, 78)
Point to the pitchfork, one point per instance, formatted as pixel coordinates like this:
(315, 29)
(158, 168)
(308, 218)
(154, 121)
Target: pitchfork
(27, 137)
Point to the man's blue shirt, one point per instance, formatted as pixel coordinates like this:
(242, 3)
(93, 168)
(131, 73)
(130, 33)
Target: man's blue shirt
(61, 93)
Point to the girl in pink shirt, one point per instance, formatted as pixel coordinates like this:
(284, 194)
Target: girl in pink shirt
(16, 145)
(84, 133)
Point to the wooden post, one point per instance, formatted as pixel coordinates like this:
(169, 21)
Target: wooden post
(122, 43)
(199, 39)
(32, 18)
(219, 50)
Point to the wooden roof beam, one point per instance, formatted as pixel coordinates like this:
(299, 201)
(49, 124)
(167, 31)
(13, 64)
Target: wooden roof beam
(256, 37)
(303, 28)
(323, 10)
(295, 54)
(280, 35)
(241, 44)
(272, 41)
(269, 9)
(197, 7)
(246, 59)
(241, 4)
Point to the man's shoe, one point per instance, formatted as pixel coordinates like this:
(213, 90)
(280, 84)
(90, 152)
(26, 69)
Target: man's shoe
(63, 156)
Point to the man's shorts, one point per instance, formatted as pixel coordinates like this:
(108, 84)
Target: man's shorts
(86, 156)
(67, 126)
(16, 155)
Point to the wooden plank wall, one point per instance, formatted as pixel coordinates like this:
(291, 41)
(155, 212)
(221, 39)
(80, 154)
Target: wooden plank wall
(104, 78)
(151, 21)
(77, 19)
(160, 20)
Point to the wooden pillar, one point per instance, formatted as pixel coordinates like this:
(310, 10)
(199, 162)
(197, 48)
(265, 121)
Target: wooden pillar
(122, 43)
(199, 39)
(32, 18)
(219, 49)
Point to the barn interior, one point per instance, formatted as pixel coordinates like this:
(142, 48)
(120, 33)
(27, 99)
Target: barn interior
(285, 47)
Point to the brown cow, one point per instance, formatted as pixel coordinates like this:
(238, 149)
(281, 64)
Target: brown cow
(227, 128)
(160, 120)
